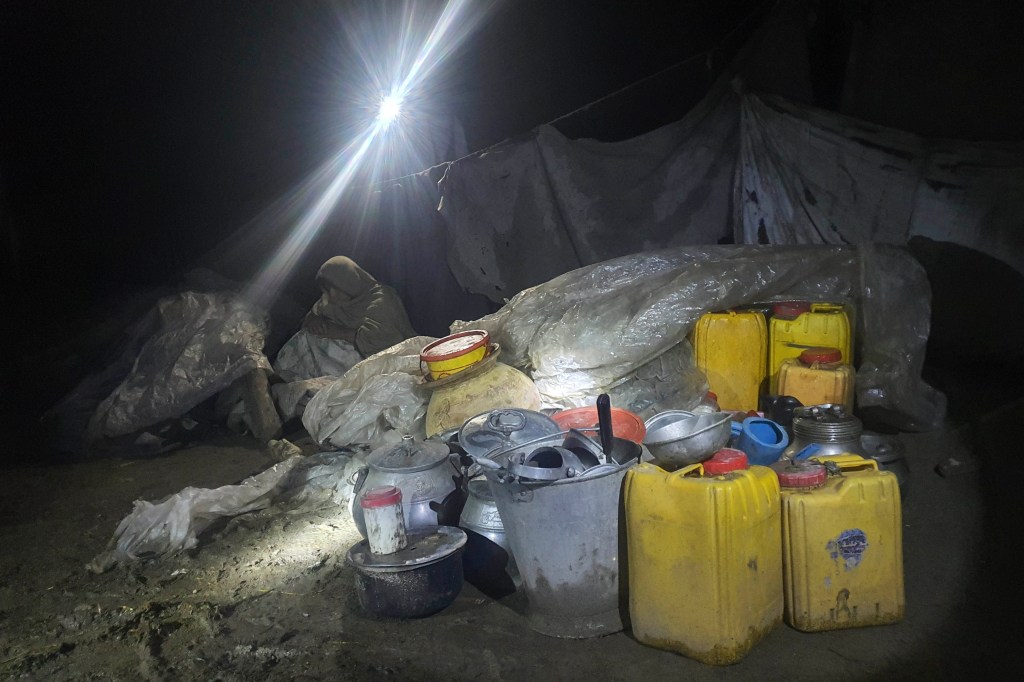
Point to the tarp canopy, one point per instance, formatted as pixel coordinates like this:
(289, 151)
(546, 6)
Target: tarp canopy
(759, 169)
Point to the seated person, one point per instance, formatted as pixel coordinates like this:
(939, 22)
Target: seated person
(355, 317)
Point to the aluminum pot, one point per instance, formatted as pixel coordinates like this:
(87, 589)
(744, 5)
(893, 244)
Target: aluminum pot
(427, 474)
(828, 426)
(417, 581)
(487, 561)
(677, 438)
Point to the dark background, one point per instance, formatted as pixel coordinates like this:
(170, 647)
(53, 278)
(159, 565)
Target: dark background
(136, 136)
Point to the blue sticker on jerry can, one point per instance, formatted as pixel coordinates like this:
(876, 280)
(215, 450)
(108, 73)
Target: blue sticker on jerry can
(849, 547)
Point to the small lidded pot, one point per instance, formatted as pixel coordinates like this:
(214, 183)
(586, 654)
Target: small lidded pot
(385, 522)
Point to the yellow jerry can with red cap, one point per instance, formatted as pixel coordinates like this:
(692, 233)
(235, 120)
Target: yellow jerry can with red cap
(731, 349)
(705, 570)
(797, 325)
(842, 543)
(818, 376)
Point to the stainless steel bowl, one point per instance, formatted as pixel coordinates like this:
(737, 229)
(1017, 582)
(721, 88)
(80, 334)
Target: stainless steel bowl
(675, 439)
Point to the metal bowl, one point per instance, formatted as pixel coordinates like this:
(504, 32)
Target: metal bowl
(675, 439)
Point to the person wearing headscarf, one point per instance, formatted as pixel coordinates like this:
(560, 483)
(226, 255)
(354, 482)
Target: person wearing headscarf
(357, 308)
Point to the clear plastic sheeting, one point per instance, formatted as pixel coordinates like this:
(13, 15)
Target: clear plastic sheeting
(378, 395)
(155, 529)
(308, 356)
(204, 342)
(172, 525)
(592, 330)
(670, 381)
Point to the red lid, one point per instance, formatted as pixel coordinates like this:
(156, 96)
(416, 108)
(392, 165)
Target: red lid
(802, 475)
(791, 310)
(455, 345)
(726, 460)
(382, 496)
(812, 355)
(625, 424)
(712, 395)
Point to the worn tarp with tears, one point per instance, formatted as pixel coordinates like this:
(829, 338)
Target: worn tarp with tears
(740, 166)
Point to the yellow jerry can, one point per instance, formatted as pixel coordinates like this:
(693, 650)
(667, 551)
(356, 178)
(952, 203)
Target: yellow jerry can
(818, 377)
(731, 349)
(797, 326)
(705, 570)
(842, 543)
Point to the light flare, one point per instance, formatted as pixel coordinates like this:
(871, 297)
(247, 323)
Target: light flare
(454, 25)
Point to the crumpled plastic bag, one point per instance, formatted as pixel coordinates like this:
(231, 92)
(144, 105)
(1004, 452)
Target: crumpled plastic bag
(308, 356)
(173, 524)
(204, 342)
(378, 395)
(156, 529)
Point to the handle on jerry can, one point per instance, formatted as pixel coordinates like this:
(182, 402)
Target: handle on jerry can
(826, 308)
(848, 462)
(692, 467)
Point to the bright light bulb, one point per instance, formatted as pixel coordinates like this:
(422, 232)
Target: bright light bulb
(390, 108)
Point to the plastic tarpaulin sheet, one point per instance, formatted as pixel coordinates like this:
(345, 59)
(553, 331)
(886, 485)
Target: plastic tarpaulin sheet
(589, 330)
(810, 176)
(203, 343)
(378, 395)
(756, 169)
(587, 201)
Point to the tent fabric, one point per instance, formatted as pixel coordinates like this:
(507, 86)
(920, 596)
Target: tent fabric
(812, 176)
(587, 201)
(761, 168)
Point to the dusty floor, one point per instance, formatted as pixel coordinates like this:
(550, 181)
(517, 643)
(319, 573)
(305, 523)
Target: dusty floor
(268, 595)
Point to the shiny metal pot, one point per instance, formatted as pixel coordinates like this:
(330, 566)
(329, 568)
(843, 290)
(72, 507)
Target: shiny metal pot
(428, 476)
(828, 426)
(487, 562)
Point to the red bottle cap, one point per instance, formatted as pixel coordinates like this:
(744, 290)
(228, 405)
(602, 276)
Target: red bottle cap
(726, 460)
(381, 497)
(802, 475)
(712, 396)
(812, 355)
(790, 310)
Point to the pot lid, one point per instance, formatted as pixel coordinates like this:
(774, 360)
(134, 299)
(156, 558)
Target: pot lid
(408, 456)
(424, 547)
(503, 429)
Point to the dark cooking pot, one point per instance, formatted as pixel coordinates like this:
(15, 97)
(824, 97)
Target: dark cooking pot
(417, 581)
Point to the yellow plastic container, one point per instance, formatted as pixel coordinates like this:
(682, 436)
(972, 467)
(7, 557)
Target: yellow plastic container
(794, 328)
(731, 349)
(454, 353)
(705, 570)
(843, 547)
(818, 377)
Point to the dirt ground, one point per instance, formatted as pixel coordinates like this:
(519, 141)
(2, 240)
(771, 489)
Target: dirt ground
(268, 596)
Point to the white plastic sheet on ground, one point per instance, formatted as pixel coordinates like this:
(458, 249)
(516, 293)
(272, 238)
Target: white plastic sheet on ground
(205, 341)
(590, 330)
(155, 529)
(378, 395)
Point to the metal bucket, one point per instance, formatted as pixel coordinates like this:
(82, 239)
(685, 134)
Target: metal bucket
(565, 538)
